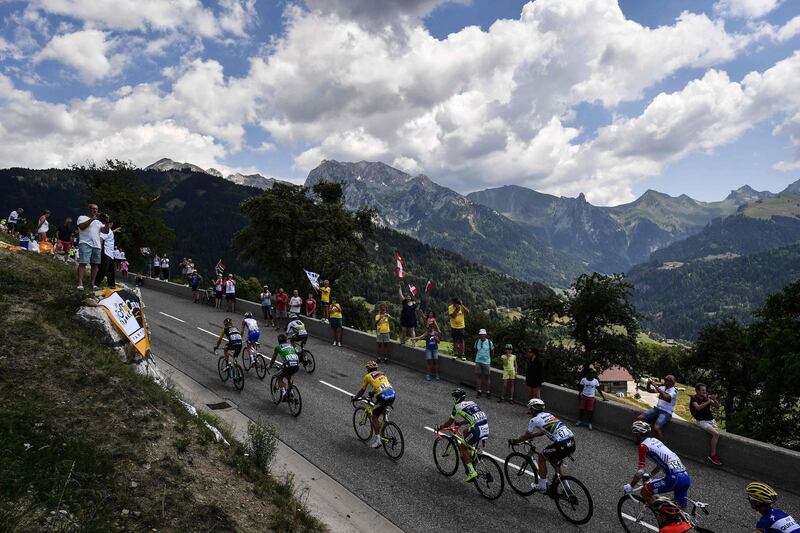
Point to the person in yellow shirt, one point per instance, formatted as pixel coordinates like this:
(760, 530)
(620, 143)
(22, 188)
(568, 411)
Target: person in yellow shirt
(382, 329)
(325, 299)
(383, 393)
(509, 374)
(458, 312)
(336, 321)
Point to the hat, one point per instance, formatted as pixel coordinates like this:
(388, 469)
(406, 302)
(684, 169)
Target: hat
(230, 275)
(482, 332)
(509, 347)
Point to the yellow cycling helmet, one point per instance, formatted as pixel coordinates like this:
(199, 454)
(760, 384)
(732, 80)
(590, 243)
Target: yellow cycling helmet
(761, 492)
(371, 365)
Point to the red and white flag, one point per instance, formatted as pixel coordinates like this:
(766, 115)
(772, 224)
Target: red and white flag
(412, 289)
(429, 286)
(399, 269)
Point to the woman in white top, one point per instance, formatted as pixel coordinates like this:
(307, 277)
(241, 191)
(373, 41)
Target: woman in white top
(44, 226)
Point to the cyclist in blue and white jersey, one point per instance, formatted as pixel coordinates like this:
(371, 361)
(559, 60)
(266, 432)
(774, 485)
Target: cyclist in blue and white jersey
(676, 479)
(251, 333)
(761, 497)
(296, 330)
(545, 424)
(476, 426)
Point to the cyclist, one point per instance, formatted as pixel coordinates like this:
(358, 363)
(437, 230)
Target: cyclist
(250, 327)
(234, 341)
(761, 497)
(676, 479)
(384, 395)
(545, 424)
(296, 330)
(477, 427)
(670, 517)
(290, 363)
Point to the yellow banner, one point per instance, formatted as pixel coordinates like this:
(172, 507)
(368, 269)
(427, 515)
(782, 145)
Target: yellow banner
(125, 310)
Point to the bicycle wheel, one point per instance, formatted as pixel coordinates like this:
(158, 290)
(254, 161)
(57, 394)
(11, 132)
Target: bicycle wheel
(573, 500)
(246, 364)
(295, 401)
(309, 363)
(361, 423)
(490, 482)
(445, 455)
(392, 440)
(238, 376)
(261, 366)
(275, 390)
(223, 374)
(635, 515)
(521, 471)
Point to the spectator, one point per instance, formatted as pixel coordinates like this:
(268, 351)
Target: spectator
(661, 414)
(432, 339)
(484, 350)
(219, 287)
(43, 226)
(311, 306)
(156, 267)
(106, 269)
(184, 264)
(64, 236)
(408, 317)
(589, 387)
(165, 268)
(13, 219)
(457, 312)
(230, 294)
(194, 282)
(335, 318)
(509, 361)
(700, 406)
(266, 306)
(281, 309)
(295, 302)
(533, 374)
(382, 330)
(88, 245)
(124, 266)
(430, 318)
(325, 299)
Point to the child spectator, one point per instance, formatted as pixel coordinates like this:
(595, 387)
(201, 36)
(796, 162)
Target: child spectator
(432, 339)
(430, 319)
(590, 386)
(509, 361)
(124, 266)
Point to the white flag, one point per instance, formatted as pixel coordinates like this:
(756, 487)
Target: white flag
(313, 277)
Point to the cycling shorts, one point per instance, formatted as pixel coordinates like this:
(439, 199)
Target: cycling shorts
(678, 484)
(287, 371)
(234, 347)
(476, 434)
(557, 451)
(253, 336)
(382, 401)
(302, 339)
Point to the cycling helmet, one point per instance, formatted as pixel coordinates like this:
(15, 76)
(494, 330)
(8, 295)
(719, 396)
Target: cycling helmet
(228, 322)
(536, 404)
(248, 315)
(458, 395)
(667, 511)
(372, 365)
(282, 338)
(761, 492)
(293, 315)
(640, 428)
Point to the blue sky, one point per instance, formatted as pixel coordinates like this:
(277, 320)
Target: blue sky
(605, 97)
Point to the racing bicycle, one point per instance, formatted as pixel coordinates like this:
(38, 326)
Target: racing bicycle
(292, 398)
(232, 370)
(635, 515)
(252, 358)
(306, 357)
(570, 495)
(447, 454)
(391, 436)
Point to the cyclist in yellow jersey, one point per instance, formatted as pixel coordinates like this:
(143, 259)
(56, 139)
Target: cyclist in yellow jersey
(384, 396)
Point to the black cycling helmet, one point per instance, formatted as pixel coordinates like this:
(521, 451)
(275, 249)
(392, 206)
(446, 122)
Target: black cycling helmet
(458, 395)
(228, 322)
(282, 338)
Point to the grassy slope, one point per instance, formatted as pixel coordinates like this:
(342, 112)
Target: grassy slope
(81, 432)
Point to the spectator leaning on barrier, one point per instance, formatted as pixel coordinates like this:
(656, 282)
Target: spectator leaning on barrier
(383, 328)
(408, 316)
(230, 294)
(266, 306)
(661, 414)
(88, 244)
(311, 306)
(509, 374)
(335, 318)
(432, 339)
(484, 350)
(533, 373)
(457, 312)
(295, 302)
(590, 386)
(700, 406)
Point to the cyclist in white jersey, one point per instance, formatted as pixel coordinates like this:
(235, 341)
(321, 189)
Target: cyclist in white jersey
(676, 479)
(545, 424)
(296, 330)
(251, 333)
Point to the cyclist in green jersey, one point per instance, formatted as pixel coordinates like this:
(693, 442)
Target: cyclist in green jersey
(290, 363)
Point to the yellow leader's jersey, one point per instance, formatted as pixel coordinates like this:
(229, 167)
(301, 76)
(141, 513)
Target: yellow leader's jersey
(378, 381)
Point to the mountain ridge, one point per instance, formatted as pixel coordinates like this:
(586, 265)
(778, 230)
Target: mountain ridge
(248, 180)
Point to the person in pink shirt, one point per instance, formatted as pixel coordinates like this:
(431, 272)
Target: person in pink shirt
(281, 309)
(311, 306)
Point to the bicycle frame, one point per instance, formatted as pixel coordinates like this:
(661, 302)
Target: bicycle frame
(369, 408)
(453, 431)
(690, 516)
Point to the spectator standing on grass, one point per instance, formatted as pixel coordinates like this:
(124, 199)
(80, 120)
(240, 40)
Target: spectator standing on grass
(195, 279)
(457, 312)
(325, 299)
(88, 245)
(219, 287)
(590, 386)
(432, 339)
(311, 306)
(13, 219)
(484, 350)
(64, 236)
(43, 227)
(383, 328)
(335, 318)
(700, 406)
(266, 306)
(230, 294)
(156, 266)
(430, 319)
(165, 267)
(533, 374)
(661, 414)
(295, 302)
(107, 269)
(281, 309)
(408, 317)
(124, 266)
(509, 361)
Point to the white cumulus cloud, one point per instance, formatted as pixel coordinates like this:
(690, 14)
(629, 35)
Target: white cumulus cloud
(746, 8)
(86, 51)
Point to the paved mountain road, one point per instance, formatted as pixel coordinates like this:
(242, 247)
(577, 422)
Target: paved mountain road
(411, 492)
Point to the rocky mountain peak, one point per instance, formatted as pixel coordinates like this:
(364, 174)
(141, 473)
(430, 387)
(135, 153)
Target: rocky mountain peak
(793, 187)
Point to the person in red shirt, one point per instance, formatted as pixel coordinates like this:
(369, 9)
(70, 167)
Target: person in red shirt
(311, 306)
(281, 309)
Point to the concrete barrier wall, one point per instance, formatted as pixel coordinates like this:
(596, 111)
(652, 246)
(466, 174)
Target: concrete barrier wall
(741, 455)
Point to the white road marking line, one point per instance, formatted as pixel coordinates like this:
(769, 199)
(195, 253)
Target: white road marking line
(172, 317)
(632, 519)
(336, 388)
(206, 331)
(502, 461)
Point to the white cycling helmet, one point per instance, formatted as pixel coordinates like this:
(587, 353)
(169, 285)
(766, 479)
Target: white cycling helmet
(248, 315)
(536, 404)
(640, 427)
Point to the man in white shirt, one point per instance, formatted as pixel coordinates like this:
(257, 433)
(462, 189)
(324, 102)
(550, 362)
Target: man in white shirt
(13, 220)
(106, 269)
(88, 244)
(589, 388)
(230, 293)
(661, 414)
(295, 303)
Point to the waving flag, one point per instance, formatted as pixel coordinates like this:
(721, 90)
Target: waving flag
(313, 277)
(429, 286)
(399, 269)
(220, 268)
(412, 289)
